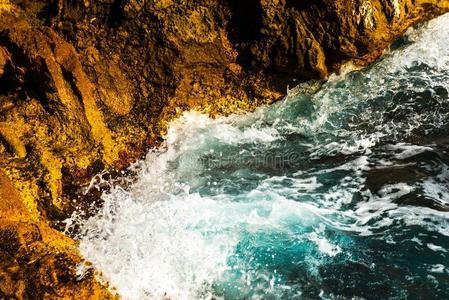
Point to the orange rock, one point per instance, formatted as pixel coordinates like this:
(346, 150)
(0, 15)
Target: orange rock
(37, 261)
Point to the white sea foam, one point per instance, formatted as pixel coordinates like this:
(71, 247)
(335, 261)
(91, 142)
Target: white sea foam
(179, 247)
(172, 257)
(434, 247)
(323, 245)
(405, 151)
(438, 268)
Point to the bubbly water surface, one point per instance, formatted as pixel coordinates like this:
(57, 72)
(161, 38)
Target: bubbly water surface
(342, 193)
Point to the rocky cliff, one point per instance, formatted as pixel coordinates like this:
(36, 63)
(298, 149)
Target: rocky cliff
(87, 86)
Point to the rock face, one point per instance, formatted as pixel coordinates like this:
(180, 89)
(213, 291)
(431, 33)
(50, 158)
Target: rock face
(38, 262)
(90, 85)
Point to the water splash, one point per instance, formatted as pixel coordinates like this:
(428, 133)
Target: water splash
(338, 193)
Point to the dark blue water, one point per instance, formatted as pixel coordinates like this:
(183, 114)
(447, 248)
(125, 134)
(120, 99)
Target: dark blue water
(334, 194)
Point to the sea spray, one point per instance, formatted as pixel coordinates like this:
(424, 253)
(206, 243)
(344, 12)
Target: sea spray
(341, 192)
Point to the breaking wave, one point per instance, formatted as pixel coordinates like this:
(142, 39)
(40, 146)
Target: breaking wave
(340, 193)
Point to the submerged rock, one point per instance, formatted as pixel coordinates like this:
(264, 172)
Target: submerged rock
(90, 85)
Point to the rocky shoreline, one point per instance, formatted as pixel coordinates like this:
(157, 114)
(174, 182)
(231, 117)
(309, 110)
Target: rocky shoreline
(87, 86)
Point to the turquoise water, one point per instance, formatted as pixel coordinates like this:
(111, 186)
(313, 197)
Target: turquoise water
(330, 195)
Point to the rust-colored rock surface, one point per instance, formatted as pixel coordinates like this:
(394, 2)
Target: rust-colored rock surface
(87, 86)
